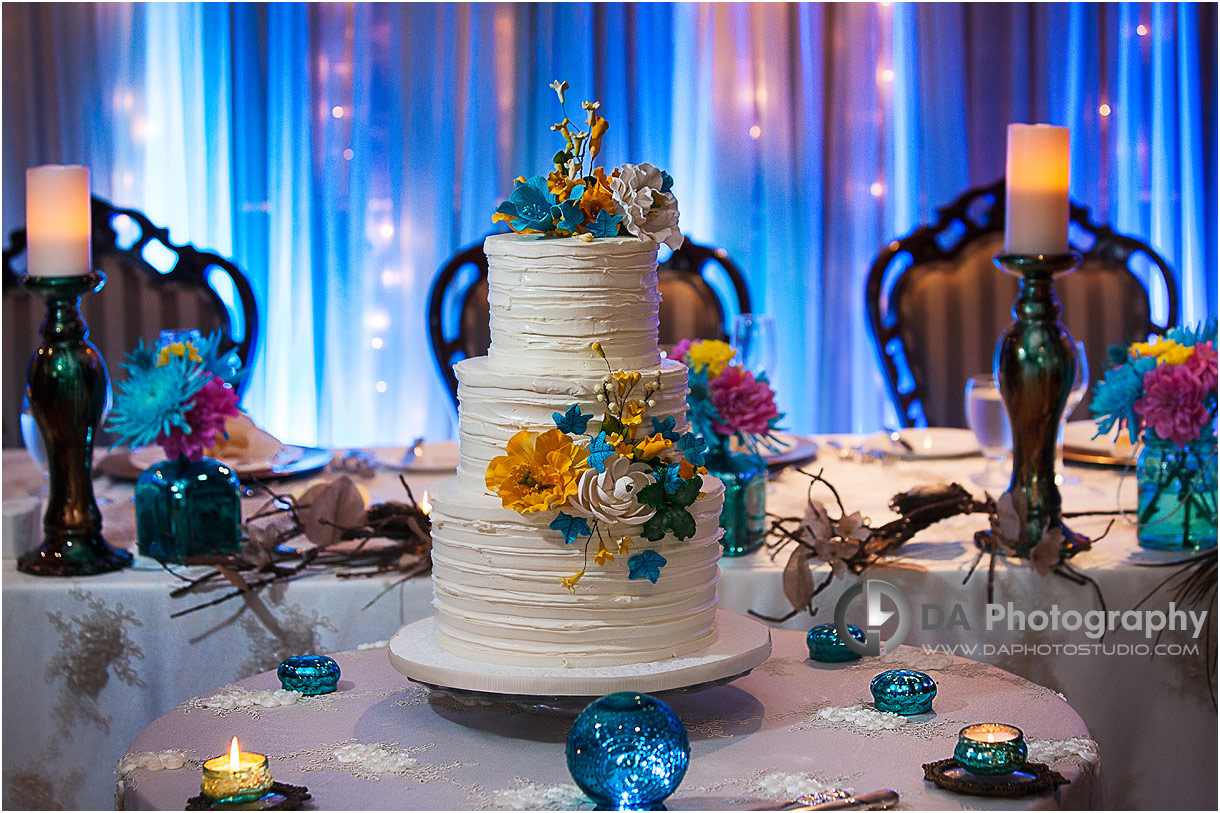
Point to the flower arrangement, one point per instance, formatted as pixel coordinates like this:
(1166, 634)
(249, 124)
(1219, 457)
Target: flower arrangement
(177, 396)
(609, 483)
(727, 401)
(586, 202)
(1162, 389)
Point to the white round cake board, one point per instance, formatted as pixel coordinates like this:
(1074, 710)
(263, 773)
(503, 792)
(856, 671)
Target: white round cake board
(741, 644)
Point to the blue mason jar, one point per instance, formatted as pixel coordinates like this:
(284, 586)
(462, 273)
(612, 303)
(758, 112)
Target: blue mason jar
(744, 518)
(1177, 494)
(186, 508)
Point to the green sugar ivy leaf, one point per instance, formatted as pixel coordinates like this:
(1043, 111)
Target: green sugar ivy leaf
(670, 519)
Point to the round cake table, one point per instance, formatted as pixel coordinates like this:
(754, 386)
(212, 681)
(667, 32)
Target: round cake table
(792, 726)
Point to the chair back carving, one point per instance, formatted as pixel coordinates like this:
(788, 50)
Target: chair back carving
(701, 290)
(151, 284)
(937, 304)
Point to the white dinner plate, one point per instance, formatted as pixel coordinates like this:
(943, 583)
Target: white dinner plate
(931, 443)
(289, 462)
(439, 456)
(792, 449)
(1080, 446)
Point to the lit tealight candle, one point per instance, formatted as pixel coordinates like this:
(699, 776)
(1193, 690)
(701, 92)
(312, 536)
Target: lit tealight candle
(990, 748)
(58, 225)
(425, 505)
(1037, 189)
(238, 777)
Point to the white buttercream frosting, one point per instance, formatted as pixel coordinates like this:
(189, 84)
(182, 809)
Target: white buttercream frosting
(550, 298)
(496, 573)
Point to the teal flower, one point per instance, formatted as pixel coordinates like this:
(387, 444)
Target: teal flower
(606, 224)
(153, 400)
(571, 527)
(529, 206)
(667, 181)
(573, 422)
(646, 565)
(567, 215)
(1189, 337)
(1115, 399)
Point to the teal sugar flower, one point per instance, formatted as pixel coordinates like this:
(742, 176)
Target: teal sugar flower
(530, 206)
(568, 215)
(646, 565)
(1114, 402)
(606, 224)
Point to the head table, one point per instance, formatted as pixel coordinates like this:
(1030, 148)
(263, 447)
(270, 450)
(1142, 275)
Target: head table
(792, 726)
(88, 663)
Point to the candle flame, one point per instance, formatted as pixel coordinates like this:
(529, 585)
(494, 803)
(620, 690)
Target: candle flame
(234, 755)
(425, 504)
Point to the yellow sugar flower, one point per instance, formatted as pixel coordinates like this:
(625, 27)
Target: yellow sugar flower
(539, 472)
(710, 355)
(178, 349)
(597, 128)
(624, 545)
(625, 381)
(560, 185)
(633, 413)
(570, 581)
(1165, 351)
(651, 447)
(602, 556)
(597, 196)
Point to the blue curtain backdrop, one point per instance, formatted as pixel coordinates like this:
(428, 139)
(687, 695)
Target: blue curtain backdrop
(340, 153)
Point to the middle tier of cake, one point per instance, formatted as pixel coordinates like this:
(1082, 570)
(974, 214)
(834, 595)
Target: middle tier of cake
(494, 404)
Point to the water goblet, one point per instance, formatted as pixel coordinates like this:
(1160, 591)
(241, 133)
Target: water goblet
(1080, 386)
(753, 338)
(988, 419)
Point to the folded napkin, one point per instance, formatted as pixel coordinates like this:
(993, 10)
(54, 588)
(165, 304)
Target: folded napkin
(246, 444)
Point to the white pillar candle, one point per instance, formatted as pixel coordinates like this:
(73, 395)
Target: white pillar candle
(1037, 189)
(57, 221)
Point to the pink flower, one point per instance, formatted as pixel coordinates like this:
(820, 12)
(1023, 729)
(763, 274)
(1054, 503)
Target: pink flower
(213, 405)
(1173, 403)
(1203, 365)
(743, 403)
(679, 352)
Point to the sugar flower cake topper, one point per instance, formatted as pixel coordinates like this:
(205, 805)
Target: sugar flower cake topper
(610, 482)
(579, 199)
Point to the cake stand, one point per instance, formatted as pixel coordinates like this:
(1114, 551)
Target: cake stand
(741, 644)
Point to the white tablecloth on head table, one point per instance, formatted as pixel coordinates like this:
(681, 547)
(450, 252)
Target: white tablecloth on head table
(63, 734)
(766, 737)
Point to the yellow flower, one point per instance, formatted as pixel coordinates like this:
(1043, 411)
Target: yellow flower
(621, 444)
(686, 469)
(597, 128)
(560, 185)
(1165, 351)
(711, 355)
(624, 545)
(602, 556)
(539, 472)
(633, 413)
(559, 88)
(651, 447)
(178, 349)
(597, 195)
(597, 348)
(625, 381)
(570, 581)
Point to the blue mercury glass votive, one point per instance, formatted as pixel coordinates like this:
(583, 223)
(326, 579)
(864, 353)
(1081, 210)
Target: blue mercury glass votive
(990, 748)
(309, 674)
(628, 751)
(186, 508)
(825, 644)
(903, 691)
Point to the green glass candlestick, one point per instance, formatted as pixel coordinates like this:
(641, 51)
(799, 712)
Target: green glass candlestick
(1035, 365)
(66, 386)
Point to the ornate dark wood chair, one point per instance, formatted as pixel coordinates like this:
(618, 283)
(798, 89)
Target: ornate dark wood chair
(701, 291)
(937, 304)
(151, 284)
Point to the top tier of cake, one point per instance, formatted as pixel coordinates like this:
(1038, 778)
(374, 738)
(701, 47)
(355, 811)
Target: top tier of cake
(551, 297)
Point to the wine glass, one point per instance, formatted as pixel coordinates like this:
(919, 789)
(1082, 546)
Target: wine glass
(1080, 386)
(988, 419)
(753, 338)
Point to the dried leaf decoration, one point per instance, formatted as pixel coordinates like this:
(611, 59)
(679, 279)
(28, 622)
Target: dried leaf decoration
(328, 508)
(798, 578)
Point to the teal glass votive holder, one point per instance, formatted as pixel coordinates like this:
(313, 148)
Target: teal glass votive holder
(309, 674)
(990, 748)
(903, 691)
(744, 514)
(186, 508)
(826, 646)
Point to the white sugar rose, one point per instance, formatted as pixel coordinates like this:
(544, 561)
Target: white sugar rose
(648, 213)
(611, 495)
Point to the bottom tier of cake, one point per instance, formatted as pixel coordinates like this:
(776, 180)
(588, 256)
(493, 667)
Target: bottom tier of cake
(498, 595)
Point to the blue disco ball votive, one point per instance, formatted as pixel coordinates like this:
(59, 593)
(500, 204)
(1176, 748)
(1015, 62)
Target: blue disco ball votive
(825, 644)
(309, 674)
(903, 691)
(628, 751)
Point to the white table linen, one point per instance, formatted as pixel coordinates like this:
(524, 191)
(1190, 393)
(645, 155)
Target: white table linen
(88, 663)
